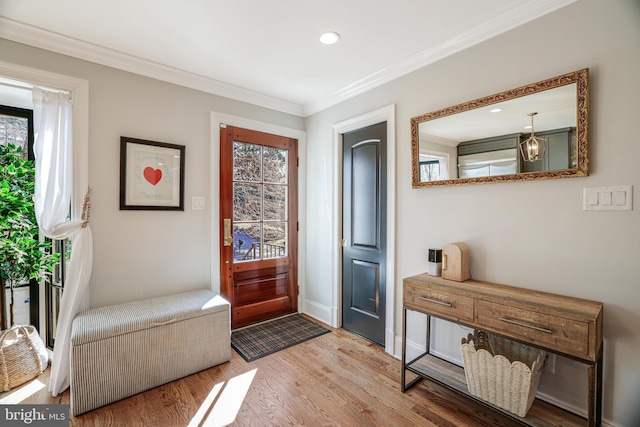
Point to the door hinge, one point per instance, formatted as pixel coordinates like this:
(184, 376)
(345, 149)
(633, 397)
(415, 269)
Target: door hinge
(298, 162)
(223, 126)
(344, 243)
(297, 226)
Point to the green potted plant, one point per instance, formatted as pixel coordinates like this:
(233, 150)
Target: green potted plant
(23, 255)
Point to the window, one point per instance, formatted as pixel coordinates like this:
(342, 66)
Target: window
(17, 81)
(429, 170)
(16, 127)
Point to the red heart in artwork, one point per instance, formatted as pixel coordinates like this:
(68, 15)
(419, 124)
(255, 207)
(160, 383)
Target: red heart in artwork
(152, 175)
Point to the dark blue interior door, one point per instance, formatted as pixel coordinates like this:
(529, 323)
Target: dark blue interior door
(364, 232)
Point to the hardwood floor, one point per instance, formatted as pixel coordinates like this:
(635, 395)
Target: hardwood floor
(337, 379)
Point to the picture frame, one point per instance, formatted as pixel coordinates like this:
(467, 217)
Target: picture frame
(151, 175)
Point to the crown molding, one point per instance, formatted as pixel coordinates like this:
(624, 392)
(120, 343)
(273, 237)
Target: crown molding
(33, 36)
(36, 37)
(488, 29)
(437, 140)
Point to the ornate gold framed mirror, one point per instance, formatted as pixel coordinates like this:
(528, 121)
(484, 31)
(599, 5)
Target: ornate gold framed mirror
(533, 132)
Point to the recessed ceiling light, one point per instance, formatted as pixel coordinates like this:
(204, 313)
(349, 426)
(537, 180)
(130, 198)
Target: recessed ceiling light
(496, 110)
(329, 37)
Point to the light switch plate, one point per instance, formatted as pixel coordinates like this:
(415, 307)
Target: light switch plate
(608, 198)
(197, 203)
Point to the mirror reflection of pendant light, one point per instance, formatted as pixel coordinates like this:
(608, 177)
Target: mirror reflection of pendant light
(532, 149)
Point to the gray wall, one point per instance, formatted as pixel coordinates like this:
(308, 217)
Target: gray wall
(142, 254)
(592, 255)
(584, 254)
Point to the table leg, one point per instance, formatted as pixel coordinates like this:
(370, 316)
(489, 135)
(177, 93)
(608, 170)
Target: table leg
(595, 393)
(403, 386)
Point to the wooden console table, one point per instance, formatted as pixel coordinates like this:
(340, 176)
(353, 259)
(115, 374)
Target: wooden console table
(571, 327)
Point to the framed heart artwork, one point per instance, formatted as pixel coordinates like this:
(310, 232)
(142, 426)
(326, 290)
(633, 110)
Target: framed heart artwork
(151, 175)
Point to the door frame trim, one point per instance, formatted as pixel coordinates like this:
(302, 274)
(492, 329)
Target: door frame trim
(218, 119)
(384, 114)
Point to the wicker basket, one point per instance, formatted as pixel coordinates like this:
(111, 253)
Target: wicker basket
(23, 356)
(502, 372)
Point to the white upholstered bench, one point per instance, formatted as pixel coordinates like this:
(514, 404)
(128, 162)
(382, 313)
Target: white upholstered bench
(121, 350)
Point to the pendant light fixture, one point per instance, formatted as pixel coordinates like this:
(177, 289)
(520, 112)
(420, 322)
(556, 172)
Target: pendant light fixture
(532, 149)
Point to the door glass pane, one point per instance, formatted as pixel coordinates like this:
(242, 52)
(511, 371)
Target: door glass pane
(247, 164)
(275, 202)
(275, 240)
(246, 241)
(260, 201)
(275, 165)
(247, 202)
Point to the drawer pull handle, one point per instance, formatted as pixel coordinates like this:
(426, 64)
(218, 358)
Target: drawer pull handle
(435, 301)
(526, 325)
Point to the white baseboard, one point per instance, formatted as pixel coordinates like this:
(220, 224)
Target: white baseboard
(567, 407)
(561, 404)
(412, 348)
(398, 347)
(319, 312)
(330, 316)
(390, 343)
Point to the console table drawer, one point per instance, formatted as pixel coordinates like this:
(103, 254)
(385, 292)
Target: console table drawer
(448, 305)
(557, 332)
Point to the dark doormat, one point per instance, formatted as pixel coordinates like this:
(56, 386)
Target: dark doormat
(262, 339)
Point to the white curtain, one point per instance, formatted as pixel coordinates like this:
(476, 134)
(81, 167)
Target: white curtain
(53, 149)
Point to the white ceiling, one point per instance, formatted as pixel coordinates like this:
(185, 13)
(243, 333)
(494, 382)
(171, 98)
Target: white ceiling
(266, 52)
(555, 108)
